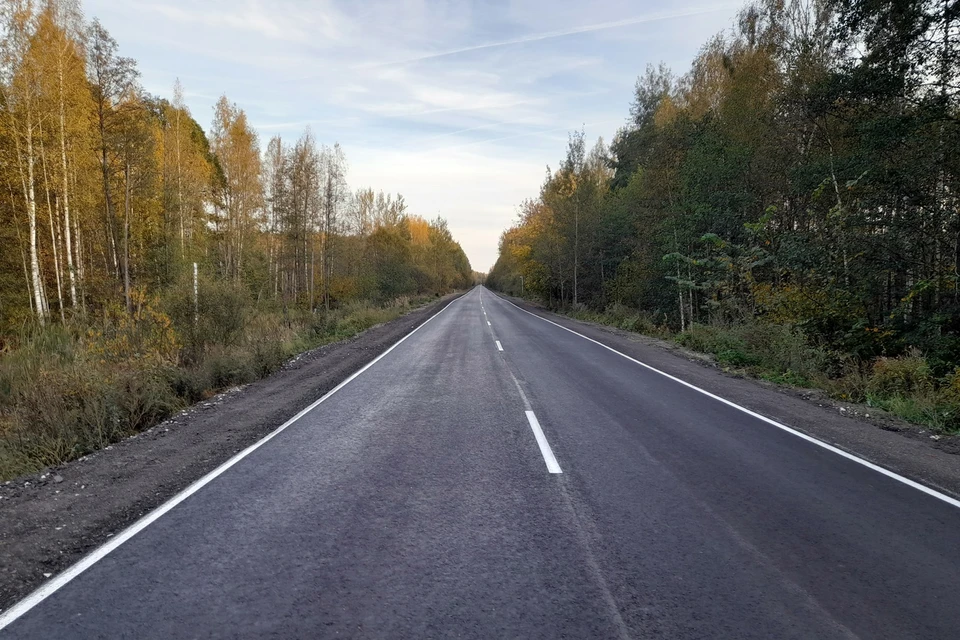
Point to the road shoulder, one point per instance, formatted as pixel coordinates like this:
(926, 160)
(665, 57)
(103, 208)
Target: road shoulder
(879, 438)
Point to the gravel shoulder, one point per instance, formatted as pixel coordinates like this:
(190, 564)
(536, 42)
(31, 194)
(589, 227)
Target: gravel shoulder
(49, 520)
(869, 433)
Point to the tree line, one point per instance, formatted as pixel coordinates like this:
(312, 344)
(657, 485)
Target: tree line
(803, 172)
(112, 195)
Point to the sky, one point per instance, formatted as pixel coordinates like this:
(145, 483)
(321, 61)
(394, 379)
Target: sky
(458, 105)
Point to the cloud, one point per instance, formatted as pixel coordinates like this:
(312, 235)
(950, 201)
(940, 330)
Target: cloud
(288, 21)
(468, 133)
(534, 37)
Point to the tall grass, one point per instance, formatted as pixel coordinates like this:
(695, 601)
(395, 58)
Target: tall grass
(66, 391)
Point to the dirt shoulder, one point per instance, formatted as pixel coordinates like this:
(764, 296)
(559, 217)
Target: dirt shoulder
(51, 519)
(871, 434)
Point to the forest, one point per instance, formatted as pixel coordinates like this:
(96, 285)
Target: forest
(787, 204)
(147, 263)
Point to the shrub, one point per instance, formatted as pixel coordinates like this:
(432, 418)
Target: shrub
(219, 318)
(736, 358)
(780, 351)
(783, 349)
(904, 386)
(147, 333)
(710, 339)
(906, 375)
(849, 382)
(188, 385)
(143, 399)
(64, 412)
(225, 367)
(951, 387)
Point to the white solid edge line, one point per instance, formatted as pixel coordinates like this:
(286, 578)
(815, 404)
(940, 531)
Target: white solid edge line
(499, 346)
(552, 465)
(820, 443)
(51, 587)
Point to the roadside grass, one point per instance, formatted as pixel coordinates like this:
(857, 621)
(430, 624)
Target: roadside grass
(66, 391)
(903, 386)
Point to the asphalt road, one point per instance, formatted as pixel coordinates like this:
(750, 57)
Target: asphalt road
(419, 501)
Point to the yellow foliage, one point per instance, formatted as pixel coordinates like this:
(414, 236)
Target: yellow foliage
(419, 231)
(790, 304)
(666, 112)
(147, 333)
(951, 387)
(708, 80)
(345, 288)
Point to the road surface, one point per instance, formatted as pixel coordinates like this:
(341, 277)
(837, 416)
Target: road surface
(495, 475)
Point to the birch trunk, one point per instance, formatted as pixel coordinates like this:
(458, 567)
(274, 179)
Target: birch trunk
(65, 196)
(54, 233)
(36, 282)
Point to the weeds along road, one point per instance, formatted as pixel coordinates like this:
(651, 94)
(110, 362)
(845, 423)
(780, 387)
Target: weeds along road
(497, 475)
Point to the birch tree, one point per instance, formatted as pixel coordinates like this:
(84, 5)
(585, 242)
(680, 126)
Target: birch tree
(22, 88)
(240, 193)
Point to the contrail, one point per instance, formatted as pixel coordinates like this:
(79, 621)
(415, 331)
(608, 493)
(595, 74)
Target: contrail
(511, 137)
(535, 37)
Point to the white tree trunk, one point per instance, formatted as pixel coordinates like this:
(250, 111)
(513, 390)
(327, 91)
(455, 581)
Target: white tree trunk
(35, 281)
(54, 229)
(68, 239)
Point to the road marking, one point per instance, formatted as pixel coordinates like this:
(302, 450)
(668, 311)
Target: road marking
(820, 443)
(552, 465)
(488, 324)
(45, 591)
(499, 346)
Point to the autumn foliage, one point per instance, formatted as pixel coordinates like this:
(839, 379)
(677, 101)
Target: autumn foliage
(793, 192)
(146, 263)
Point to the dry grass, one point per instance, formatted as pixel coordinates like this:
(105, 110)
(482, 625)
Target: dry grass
(67, 391)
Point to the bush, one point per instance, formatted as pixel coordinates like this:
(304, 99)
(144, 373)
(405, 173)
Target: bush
(188, 385)
(850, 380)
(951, 387)
(906, 387)
(143, 399)
(907, 375)
(619, 316)
(774, 351)
(224, 367)
(63, 412)
(219, 318)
